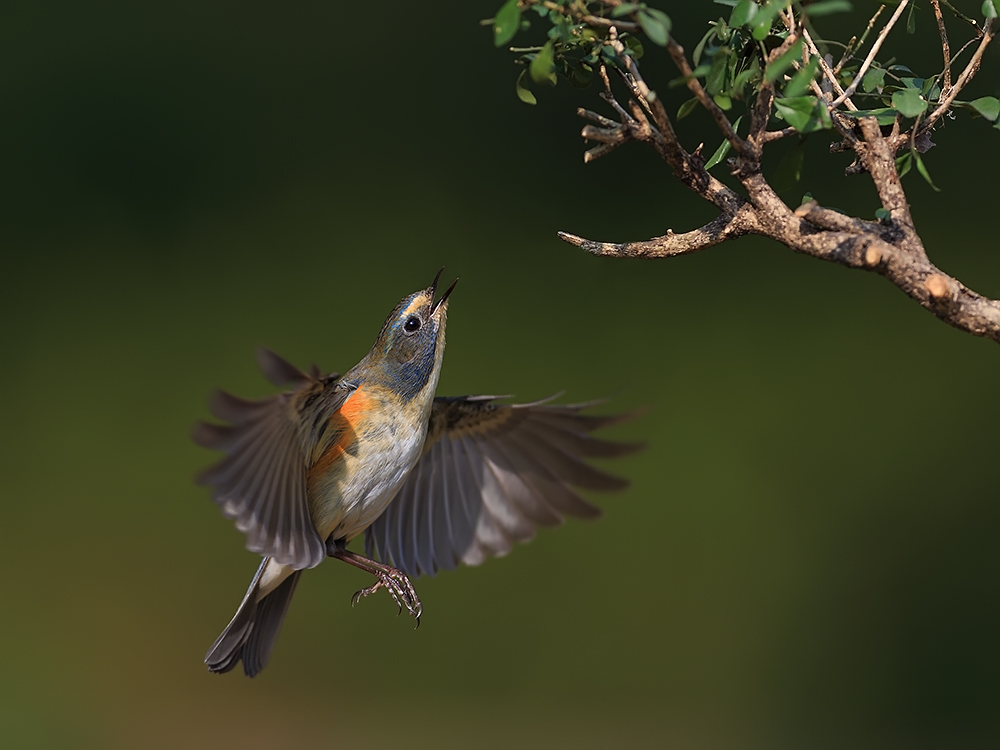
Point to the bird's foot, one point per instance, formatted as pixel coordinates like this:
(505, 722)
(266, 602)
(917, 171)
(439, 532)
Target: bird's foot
(393, 580)
(400, 589)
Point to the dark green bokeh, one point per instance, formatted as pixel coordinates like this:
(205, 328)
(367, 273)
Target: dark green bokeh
(807, 557)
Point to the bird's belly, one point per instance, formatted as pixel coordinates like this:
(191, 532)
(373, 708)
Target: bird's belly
(368, 479)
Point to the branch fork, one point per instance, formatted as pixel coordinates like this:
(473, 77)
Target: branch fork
(891, 247)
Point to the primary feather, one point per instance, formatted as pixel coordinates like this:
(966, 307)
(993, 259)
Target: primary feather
(489, 475)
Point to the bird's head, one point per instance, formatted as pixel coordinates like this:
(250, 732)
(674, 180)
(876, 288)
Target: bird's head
(406, 356)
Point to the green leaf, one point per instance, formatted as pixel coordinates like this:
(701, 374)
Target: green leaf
(827, 7)
(884, 116)
(924, 173)
(882, 215)
(744, 77)
(656, 24)
(522, 93)
(784, 61)
(506, 23)
(903, 163)
(700, 47)
(909, 102)
(716, 78)
(543, 66)
(987, 106)
(724, 102)
(874, 79)
(990, 8)
(700, 72)
(765, 16)
(743, 13)
(806, 114)
(624, 9)
(800, 81)
(911, 20)
(634, 46)
(720, 153)
(687, 108)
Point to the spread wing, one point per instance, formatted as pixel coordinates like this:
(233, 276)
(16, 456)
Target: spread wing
(489, 475)
(261, 483)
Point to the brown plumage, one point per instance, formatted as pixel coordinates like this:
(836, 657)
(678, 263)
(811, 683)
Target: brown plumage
(430, 482)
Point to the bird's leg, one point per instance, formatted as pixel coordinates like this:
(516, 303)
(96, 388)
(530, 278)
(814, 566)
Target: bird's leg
(393, 580)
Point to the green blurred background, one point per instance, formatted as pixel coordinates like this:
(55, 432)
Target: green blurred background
(807, 556)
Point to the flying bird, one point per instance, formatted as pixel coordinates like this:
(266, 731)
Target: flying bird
(431, 482)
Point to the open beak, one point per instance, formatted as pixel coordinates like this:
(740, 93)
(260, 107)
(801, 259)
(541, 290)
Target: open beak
(444, 297)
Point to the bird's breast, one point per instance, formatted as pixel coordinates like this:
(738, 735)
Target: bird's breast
(371, 443)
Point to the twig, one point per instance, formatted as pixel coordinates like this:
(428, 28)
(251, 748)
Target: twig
(609, 96)
(669, 245)
(773, 135)
(880, 162)
(827, 71)
(960, 15)
(605, 23)
(844, 97)
(945, 49)
(827, 218)
(849, 50)
(961, 50)
(695, 87)
(760, 115)
(970, 70)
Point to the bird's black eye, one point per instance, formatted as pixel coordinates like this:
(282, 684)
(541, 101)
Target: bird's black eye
(412, 324)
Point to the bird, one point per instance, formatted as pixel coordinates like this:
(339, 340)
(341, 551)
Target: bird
(430, 481)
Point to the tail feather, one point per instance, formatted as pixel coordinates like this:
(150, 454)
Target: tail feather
(250, 635)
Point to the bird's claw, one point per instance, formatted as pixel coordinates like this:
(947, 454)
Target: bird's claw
(395, 581)
(400, 589)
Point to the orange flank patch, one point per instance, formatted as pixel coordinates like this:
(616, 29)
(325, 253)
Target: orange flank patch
(343, 424)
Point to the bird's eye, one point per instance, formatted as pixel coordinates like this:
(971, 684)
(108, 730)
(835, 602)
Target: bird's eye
(412, 324)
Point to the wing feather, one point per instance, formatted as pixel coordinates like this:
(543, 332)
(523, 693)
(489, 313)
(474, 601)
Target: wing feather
(512, 521)
(409, 532)
(519, 490)
(261, 482)
(478, 537)
(425, 530)
(446, 526)
(488, 533)
(490, 475)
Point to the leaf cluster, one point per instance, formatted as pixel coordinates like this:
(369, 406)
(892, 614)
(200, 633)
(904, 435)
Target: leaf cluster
(733, 61)
(572, 48)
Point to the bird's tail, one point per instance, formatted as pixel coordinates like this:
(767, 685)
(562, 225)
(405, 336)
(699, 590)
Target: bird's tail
(251, 634)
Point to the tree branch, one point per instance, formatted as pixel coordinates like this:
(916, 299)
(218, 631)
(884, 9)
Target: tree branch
(880, 162)
(716, 231)
(849, 51)
(945, 49)
(989, 32)
(695, 87)
(845, 97)
(890, 248)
